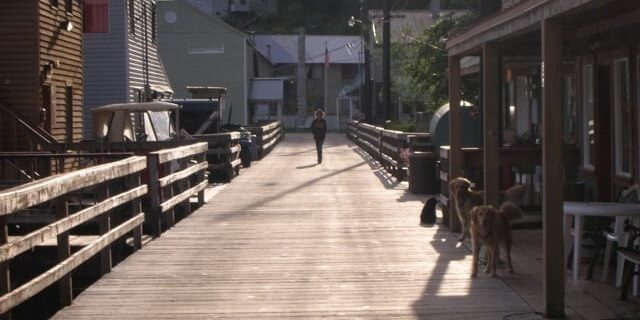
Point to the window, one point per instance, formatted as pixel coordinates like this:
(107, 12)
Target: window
(509, 118)
(638, 97)
(569, 114)
(349, 71)
(68, 6)
(198, 49)
(132, 16)
(68, 108)
(53, 3)
(137, 95)
(96, 16)
(622, 114)
(154, 30)
(316, 71)
(588, 121)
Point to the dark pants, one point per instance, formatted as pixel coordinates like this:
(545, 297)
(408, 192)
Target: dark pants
(319, 143)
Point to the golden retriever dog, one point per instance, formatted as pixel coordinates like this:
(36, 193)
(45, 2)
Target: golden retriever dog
(491, 227)
(465, 198)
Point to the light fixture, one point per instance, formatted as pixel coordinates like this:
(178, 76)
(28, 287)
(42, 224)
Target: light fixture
(352, 21)
(67, 25)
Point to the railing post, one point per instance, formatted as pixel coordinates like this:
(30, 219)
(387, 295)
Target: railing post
(64, 251)
(5, 279)
(104, 226)
(183, 185)
(167, 192)
(201, 157)
(136, 207)
(153, 168)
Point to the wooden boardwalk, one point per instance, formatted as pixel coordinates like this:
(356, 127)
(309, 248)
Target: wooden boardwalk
(289, 238)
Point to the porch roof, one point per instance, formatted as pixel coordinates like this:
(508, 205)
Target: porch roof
(515, 21)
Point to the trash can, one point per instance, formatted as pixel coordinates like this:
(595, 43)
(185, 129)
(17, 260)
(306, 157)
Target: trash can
(423, 173)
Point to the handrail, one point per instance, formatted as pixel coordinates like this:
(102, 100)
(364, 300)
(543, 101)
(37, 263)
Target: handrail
(222, 155)
(382, 145)
(175, 175)
(45, 138)
(58, 190)
(267, 136)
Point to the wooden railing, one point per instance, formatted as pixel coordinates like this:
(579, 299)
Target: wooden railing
(38, 138)
(223, 154)
(267, 136)
(117, 184)
(517, 166)
(94, 210)
(382, 145)
(22, 167)
(175, 175)
(391, 143)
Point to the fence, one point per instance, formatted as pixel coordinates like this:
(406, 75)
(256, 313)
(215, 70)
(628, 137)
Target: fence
(175, 175)
(518, 165)
(267, 136)
(382, 145)
(93, 209)
(223, 154)
(115, 184)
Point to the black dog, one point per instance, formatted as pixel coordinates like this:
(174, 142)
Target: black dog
(428, 215)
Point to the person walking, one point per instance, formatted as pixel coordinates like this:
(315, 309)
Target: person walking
(319, 130)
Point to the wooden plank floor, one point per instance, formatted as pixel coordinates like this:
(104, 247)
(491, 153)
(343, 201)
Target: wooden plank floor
(289, 238)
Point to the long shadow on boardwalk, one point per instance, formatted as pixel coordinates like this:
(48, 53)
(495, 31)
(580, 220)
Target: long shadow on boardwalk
(449, 292)
(276, 196)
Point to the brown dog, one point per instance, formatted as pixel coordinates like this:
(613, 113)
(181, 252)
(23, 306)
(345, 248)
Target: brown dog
(465, 198)
(491, 227)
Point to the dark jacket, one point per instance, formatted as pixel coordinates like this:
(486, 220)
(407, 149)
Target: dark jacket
(319, 128)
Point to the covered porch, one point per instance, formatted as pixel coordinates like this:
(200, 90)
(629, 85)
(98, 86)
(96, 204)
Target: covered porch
(559, 82)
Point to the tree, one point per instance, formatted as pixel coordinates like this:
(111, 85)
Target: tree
(426, 62)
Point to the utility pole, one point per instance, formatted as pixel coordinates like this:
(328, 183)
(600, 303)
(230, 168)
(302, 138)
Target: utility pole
(301, 79)
(366, 97)
(386, 60)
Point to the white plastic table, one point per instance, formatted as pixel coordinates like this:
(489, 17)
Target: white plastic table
(577, 210)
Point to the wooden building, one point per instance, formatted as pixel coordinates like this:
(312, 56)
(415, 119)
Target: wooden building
(567, 74)
(121, 55)
(41, 80)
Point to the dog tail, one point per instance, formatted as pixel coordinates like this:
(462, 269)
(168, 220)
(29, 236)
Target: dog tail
(515, 193)
(511, 211)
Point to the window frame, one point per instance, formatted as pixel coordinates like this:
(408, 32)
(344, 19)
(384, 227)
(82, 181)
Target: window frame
(154, 21)
(588, 101)
(132, 16)
(68, 6)
(108, 20)
(618, 118)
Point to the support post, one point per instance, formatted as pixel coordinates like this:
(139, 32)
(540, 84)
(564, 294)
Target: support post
(202, 157)
(491, 122)
(136, 208)
(154, 194)
(386, 60)
(455, 145)
(64, 251)
(104, 226)
(552, 169)
(5, 279)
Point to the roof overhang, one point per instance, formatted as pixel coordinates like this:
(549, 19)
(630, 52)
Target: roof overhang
(512, 22)
(138, 106)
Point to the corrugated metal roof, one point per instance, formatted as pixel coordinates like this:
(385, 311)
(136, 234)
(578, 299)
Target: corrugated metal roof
(283, 49)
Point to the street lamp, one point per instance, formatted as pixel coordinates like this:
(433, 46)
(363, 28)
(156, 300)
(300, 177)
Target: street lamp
(352, 21)
(363, 89)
